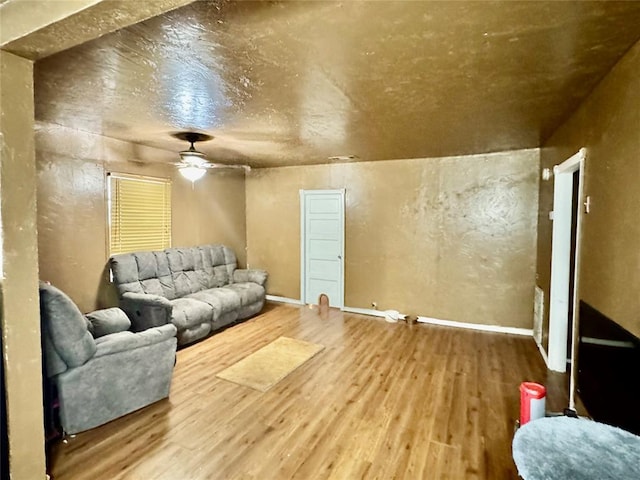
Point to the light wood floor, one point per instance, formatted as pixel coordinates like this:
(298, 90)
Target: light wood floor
(381, 401)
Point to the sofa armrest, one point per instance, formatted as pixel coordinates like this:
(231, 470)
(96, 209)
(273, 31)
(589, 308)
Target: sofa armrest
(107, 321)
(122, 341)
(146, 310)
(250, 275)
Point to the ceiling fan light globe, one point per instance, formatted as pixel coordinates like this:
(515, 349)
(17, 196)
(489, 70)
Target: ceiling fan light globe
(192, 173)
(192, 157)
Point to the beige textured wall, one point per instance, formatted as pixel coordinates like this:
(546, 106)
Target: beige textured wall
(608, 125)
(19, 305)
(20, 320)
(452, 238)
(72, 208)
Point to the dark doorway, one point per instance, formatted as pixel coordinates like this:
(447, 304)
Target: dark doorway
(572, 257)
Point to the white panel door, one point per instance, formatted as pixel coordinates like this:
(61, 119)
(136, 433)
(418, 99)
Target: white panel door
(322, 245)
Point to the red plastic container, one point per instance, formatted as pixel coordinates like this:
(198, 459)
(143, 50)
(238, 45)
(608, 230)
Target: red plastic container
(532, 401)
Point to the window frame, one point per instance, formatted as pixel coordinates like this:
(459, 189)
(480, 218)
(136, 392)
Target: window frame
(109, 196)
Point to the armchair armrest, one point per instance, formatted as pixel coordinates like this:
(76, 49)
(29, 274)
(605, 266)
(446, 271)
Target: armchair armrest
(107, 321)
(123, 341)
(250, 275)
(146, 310)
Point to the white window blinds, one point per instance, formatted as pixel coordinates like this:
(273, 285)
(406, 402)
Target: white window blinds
(139, 214)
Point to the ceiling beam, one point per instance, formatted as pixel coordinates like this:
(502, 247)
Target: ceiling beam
(19, 19)
(35, 29)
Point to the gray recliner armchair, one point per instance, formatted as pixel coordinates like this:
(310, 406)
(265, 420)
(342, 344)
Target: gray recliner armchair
(101, 370)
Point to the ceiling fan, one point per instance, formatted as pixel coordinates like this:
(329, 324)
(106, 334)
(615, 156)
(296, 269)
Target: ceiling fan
(194, 164)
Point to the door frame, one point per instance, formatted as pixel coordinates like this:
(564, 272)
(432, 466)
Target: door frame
(561, 261)
(303, 241)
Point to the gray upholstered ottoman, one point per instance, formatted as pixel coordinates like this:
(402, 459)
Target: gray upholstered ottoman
(567, 448)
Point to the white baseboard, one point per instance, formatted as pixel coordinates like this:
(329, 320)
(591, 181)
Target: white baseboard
(293, 301)
(434, 321)
(364, 311)
(544, 354)
(478, 326)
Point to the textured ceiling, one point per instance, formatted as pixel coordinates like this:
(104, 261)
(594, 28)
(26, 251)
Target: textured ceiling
(297, 82)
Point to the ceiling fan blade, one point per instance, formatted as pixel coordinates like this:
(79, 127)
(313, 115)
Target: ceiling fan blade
(196, 159)
(221, 166)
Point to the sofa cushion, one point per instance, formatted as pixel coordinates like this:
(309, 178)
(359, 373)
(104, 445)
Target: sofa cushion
(221, 260)
(186, 282)
(212, 255)
(154, 274)
(107, 321)
(241, 275)
(186, 270)
(203, 269)
(125, 272)
(147, 265)
(206, 274)
(143, 272)
(180, 259)
(220, 276)
(157, 269)
(192, 334)
(214, 271)
(230, 261)
(222, 300)
(188, 312)
(248, 292)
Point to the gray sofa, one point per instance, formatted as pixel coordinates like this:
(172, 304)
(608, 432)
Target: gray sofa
(101, 370)
(197, 289)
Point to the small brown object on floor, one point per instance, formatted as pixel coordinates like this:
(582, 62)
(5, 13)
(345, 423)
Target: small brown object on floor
(323, 305)
(411, 319)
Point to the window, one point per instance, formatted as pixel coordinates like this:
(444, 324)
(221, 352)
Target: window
(139, 213)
